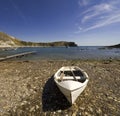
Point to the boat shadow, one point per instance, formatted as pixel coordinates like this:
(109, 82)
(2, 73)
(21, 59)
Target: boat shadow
(52, 98)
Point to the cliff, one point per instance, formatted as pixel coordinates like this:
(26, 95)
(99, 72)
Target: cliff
(10, 41)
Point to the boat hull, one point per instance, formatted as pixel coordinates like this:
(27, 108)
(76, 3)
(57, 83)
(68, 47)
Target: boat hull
(69, 93)
(71, 81)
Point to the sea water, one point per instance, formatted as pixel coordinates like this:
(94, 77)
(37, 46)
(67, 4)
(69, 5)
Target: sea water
(63, 53)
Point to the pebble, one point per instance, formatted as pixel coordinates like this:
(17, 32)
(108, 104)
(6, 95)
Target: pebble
(37, 107)
(78, 114)
(99, 111)
(59, 111)
(90, 109)
(82, 108)
(66, 115)
(23, 86)
(32, 109)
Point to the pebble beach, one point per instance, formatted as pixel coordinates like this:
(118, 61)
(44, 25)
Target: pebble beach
(27, 89)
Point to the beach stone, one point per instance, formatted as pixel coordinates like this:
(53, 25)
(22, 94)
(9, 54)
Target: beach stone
(86, 113)
(37, 107)
(82, 108)
(67, 115)
(74, 114)
(32, 109)
(33, 93)
(79, 114)
(91, 109)
(105, 115)
(99, 111)
(59, 111)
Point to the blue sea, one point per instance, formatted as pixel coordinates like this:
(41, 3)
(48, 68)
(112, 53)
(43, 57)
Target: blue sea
(63, 53)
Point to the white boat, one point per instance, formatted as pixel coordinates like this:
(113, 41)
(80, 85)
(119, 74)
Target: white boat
(71, 80)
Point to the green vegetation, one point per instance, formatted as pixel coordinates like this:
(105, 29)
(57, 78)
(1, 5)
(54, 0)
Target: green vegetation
(16, 42)
(50, 44)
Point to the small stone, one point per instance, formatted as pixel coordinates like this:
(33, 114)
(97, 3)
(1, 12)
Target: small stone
(37, 107)
(105, 115)
(79, 114)
(81, 108)
(86, 113)
(119, 101)
(110, 97)
(99, 111)
(59, 111)
(90, 109)
(32, 109)
(74, 114)
(66, 115)
(36, 78)
(23, 103)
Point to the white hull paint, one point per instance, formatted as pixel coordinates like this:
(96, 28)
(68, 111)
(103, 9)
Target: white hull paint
(71, 88)
(72, 94)
(76, 93)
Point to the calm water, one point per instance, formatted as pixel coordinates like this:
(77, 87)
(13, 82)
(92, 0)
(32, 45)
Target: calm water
(61, 53)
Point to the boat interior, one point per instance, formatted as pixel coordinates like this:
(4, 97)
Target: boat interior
(75, 75)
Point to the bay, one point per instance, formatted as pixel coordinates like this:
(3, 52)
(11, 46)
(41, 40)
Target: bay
(63, 53)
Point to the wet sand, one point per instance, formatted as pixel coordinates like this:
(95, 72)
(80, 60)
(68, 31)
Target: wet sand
(27, 88)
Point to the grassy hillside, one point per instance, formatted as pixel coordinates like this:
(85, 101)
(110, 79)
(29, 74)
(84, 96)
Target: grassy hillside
(8, 40)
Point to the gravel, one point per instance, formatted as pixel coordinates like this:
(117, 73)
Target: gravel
(27, 88)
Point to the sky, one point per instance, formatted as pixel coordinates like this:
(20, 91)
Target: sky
(85, 22)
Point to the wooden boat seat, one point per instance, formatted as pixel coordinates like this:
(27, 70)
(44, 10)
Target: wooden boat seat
(80, 79)
(70, 78)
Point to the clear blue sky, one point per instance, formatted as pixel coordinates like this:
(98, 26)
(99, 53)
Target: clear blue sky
(86, 22)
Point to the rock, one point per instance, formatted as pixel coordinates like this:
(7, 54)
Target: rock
(99, 111)
(109, 97)
(82, 108)
(33, 93)
(78, 114)
(66, 115)
(59, 111)
(37, 107)
(74, 114)
(32, 109)
(90, 109)
(86, 114)
(24, 102)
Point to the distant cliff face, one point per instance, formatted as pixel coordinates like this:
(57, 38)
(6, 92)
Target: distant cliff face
(6, 40)
(9, 41)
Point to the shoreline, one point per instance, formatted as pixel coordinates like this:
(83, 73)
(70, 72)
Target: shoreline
(64, 53)
(27, 88)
